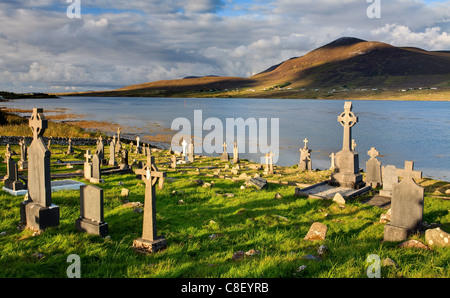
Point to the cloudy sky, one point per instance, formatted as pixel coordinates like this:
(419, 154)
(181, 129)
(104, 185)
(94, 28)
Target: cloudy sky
(116, 43)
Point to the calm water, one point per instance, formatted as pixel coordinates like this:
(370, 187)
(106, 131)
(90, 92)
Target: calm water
(417, 131)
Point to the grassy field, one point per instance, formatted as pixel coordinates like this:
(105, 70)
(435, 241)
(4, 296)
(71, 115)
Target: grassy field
(204, 227)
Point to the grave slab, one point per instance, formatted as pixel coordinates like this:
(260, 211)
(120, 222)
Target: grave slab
(324, 190)
(57, 185)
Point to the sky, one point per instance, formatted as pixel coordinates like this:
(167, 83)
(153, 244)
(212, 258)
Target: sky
(44, 47)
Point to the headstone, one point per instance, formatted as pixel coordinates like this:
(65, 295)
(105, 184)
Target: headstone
(373, 169)
(406, 206)
(23, 162)
(191, 157)
(7, 151)
(69, 148)
(317, 231)
(150, 242)
(346, 173)
(38, 212)
(118, 142)
(333, 158)
(173, 160)
(224, 156)
(112, 152)
(258, 182)
(305, 157)
(390, 178)
(101, 150)
(235, 153)
(96, 172)
(91, 218)
(269, 162)
(88, 165)
(124, 159)
(138, 145)
(184, 145)
(12, 181)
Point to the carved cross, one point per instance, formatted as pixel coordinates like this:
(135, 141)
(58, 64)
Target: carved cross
(347, 119)
(38, 123)
(408, 173)
(150, 175)
(306, 141)
(88, 155)
(184, 144)
(373, 153)
(224, 147)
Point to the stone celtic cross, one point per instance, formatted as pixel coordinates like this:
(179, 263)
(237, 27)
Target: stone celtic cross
(38, 123)
(347, 119)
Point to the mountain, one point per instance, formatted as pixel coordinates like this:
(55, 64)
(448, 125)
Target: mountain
(357, 63)
(346, 62)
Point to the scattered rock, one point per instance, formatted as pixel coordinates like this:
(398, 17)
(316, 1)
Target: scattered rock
(180, 202)
(133, 205)
(120, 183)
(278, 196)
(311, 258)
(3, 233)
(338, 198)
(213, 236)
(385, 217)
(252, 252)
(260, 183)
(413, 244)
(323, 250)
(199, 182)
(125, 192)
(230, 195)
(437, 237)
(243, 187)
(207, 185)
(138, 210)
(237, 256)
(38, 255)
(447, 192)
(301, 268)
(389, 263)
(318, 231)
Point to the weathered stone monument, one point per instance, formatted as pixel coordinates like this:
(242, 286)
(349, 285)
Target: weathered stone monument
(23, 162)
(12, 181)
(124, 159)
(173, 161)
(88, 165)
(225, 156)
(191, 156)
(138, 146)
(305, 157)
(112, 152)
(373, 169)
(118, 143)
(69, 147)
(38, 212)
(96, 172)
(346, 173)
(101, 150)
(235, 153)
(390, 178)
(91, 218)
(150, 242)
(333, 158)
(184, 145)
(406, 206)
(269, 162)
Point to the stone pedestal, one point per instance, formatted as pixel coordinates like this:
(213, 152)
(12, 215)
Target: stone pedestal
(395, 234)
(150, 246)
(346, 172)
(38, 217)
(91, 227)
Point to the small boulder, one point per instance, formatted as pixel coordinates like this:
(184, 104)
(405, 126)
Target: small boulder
(317, 231)
(338, 198)
(437, 237)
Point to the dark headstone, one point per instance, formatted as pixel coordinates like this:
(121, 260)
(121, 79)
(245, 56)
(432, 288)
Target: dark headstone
(91, 218)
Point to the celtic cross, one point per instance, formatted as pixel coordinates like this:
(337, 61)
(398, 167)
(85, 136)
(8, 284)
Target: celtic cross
(347, 119)
(38, 123)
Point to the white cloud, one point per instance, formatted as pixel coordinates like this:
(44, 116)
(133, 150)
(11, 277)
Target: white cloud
(121, 42)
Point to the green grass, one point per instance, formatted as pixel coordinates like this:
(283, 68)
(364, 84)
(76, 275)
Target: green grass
(252, 219)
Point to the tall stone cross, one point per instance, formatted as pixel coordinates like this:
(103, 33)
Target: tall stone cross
(184, 144)
(150, 175)
(373, 153)
(88, 155)
(347, 119)
(269, 162)
(306, 141)
(38, 212)
(118, 135)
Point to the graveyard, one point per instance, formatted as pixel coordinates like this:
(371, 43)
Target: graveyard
(137, 212)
